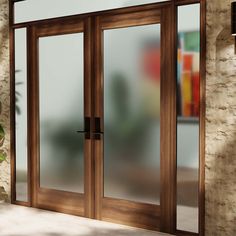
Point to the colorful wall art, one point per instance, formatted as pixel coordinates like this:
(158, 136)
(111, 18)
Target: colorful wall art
(188, 77)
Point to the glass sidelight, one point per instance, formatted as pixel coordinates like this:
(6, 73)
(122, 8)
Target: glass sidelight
(21, 113)
(188, 100)
(132, 113)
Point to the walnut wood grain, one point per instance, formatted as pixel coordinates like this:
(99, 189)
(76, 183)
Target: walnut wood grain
(131, 213)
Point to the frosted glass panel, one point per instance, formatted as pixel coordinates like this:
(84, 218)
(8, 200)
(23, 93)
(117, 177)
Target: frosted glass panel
(132, 113)
(188, 82)
(61, 112)
(21, 114)
(29, 10)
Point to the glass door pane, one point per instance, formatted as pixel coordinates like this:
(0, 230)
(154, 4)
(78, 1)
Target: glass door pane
(61, 100)
(132, 113)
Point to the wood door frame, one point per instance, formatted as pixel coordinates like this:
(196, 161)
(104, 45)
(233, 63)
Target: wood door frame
(165, 213)
(28, 26)
(42, 197)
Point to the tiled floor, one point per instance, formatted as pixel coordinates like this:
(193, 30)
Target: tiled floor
(23, 221)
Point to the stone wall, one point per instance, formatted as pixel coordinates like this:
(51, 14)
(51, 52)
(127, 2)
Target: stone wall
(5, 94)
(220, 122)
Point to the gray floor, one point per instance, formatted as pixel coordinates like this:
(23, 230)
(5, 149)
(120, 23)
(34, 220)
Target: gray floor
(24, 221)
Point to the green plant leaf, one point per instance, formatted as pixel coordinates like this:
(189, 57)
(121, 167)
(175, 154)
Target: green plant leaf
(19, 83)
(17, 93)
(2, 135)
(2, 132)
(17, 108)
(2, 157)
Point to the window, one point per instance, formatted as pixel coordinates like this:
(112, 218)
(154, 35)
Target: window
(30, 10)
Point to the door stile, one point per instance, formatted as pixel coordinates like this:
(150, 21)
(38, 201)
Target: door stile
(98, 112)
(168, 120)
(33, 112)
(88, 157)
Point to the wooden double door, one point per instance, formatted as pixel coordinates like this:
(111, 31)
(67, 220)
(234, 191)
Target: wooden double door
(102, 113)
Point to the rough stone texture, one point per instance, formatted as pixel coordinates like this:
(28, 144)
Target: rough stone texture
(5, 93)
(220, 122)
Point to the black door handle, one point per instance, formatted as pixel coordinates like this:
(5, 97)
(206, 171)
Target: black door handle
(87, 134)
(97, 128)
(86, 130)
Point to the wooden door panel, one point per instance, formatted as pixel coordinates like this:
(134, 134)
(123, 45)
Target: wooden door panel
(47, 198)
(138, 214)
(70, 203)
(127, 212)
